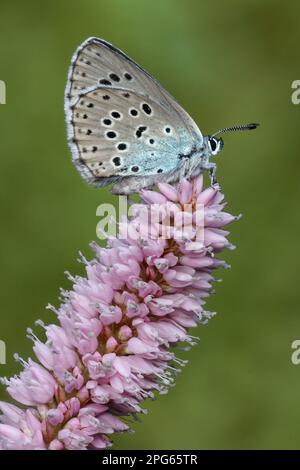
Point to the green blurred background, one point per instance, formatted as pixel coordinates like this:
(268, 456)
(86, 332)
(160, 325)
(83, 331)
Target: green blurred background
(227, 62)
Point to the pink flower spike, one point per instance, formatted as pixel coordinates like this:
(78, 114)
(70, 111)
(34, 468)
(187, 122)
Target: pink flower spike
(111, 348)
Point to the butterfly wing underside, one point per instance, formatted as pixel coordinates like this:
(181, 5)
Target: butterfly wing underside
(121, 121)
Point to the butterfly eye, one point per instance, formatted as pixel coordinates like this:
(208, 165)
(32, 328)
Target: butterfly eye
(215, 145)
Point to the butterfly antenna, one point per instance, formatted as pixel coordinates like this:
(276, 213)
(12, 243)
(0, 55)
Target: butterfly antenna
(242, 127)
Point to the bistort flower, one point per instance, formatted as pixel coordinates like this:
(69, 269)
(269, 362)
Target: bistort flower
(112, 346)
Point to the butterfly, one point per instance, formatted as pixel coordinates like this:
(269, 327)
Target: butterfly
(124, 128)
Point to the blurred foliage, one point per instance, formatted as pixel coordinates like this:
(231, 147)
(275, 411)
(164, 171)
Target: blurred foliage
(227, 62)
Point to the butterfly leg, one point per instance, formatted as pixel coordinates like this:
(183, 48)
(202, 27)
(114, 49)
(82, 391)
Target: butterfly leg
(212, 169)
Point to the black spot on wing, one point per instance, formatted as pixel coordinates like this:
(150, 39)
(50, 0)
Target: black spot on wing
(140, 131)
(105, 82)
(146, 108)
(114, 77)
